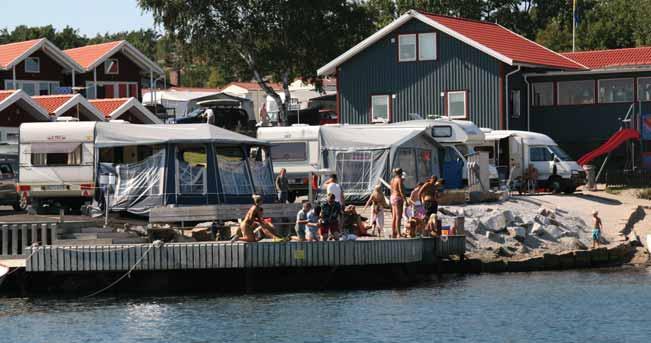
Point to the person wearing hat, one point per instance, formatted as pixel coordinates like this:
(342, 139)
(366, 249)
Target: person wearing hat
(597, 226)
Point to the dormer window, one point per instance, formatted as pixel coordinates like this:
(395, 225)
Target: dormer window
(32, 65)
(111, 66)
(417, 47)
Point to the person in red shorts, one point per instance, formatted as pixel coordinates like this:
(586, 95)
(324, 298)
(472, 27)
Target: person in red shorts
(330, 212)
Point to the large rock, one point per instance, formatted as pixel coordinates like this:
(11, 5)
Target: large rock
(495, 222)
(517, 232)
(554, 231)
(572, 243)
(202, 234)
(537, 230)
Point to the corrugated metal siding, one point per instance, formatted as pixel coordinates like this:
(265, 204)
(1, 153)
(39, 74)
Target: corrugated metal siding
(418, 85)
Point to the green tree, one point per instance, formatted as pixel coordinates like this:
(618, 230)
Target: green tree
(277, 39)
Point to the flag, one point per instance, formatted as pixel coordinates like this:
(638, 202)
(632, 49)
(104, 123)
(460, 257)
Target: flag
(575, 13)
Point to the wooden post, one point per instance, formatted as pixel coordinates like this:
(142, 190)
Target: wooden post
(14, 239)
(5, 240)
(23, 238)
(43, 234)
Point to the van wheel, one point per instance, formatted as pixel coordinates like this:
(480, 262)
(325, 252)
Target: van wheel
(556, 185)
(21, 205)
(569, 189)
(291, 197)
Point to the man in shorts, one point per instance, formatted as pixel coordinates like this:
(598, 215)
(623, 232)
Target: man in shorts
(330, 213)
(301, 220)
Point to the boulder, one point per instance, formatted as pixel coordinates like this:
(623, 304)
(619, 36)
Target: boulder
(495, 222)
(517, 232)
(503, 252)
(202, 234)
(537, 230)
(542, 220)
(554, 231)
(572, 243)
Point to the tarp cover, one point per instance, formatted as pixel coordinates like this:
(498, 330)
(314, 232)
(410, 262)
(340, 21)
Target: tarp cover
(117, 134)
(365, 138)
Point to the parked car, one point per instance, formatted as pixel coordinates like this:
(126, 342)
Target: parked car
(9, 195)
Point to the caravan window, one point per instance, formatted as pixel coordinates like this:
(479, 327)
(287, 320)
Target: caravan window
(56, 154)
(191, 163)
(260, 165)
(295, 151)
(407, 161)
(233, 173)
(539, 154)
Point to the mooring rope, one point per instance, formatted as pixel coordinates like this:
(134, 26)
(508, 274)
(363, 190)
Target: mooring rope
(34, 250)
(156, 243)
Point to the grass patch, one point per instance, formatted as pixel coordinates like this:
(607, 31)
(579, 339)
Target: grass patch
(644, 193)
(615, 190)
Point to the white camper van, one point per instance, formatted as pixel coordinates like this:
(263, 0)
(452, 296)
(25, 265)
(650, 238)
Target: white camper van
(295, 148)
(458, 137)
(556, 169)
(56, 162)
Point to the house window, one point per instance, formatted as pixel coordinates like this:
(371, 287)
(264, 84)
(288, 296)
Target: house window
(644, 89)
(111, 66)
(515, 104)
(576, 92)
(32, 65)
(33, 88)
(543, 94)
(407, 48)
(426, 46)
(616, 90)
(456, 104)
(107, 90)
(380, 108)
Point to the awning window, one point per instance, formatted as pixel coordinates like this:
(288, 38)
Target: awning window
(54, 148)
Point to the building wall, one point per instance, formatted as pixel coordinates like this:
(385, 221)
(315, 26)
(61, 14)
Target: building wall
(14, 115)
(50, 70)
(128, 72)
(581, 128)
(418, 85)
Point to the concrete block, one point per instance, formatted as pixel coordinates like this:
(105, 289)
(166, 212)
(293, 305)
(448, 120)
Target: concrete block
(598, 256)
(567, 260)
(552, 261)
(582, 259)
(498, 266)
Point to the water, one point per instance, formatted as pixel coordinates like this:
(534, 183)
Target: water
(586, 306)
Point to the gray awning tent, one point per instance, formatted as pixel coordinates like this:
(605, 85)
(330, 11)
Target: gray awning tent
(362, 155)
(188, 164)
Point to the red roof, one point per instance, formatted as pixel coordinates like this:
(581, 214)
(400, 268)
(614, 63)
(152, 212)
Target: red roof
(505, 42)
(6, 94)
(108, 106)
(10, 52)
(88, 55)
(51, 102)
(602, 59)
(254, 86)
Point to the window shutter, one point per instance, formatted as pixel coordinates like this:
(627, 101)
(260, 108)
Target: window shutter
(109, 91)
(133, 90)
(122, 90)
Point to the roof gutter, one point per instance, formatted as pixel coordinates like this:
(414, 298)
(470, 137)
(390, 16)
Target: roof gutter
(592, 72)
(508, 93)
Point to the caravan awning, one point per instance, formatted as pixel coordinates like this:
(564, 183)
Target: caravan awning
(365, 137)
(496, 136)
(116, 134)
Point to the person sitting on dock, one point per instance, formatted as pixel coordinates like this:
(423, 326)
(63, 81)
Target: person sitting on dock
(312, 226)
(301, 220)
(353, 223)
(253, 221)
(330, 212)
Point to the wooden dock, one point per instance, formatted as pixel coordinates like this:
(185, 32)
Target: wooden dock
(219, 255)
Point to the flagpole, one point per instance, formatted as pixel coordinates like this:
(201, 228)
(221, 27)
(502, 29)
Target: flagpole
(574, 26)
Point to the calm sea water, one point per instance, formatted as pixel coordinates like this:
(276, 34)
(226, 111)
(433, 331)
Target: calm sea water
(587, 306)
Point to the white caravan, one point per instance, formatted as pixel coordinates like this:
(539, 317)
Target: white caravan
(59, 167)
(295, 148)
(458, 137)
(556, 169)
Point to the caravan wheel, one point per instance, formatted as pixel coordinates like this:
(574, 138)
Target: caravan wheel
(556, 185)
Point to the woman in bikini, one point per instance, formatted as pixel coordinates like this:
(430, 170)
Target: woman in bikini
(253, 220)
(397, 202)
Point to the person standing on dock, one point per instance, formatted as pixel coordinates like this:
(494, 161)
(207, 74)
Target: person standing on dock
(429, 197)
(302, 220)
(333, 187)
(597, 226)
(377, 202)
(397, 202)
(282, 186)
(330, 213)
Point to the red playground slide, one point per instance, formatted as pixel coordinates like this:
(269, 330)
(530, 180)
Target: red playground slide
(611, 144)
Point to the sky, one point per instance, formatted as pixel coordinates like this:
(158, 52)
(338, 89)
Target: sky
(88, 16)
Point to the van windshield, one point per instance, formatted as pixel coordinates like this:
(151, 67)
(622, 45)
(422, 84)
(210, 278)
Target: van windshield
(295, 151)
(560, 153)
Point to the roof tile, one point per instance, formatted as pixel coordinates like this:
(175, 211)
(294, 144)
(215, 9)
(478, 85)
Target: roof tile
(51, 102)
(88, 55)
(9, 52)
(108, 106)
(603, 59)
(505, 42)
(6, 94)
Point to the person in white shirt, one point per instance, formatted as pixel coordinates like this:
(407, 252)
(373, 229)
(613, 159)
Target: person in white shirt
(210, 116)
(333, 187)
